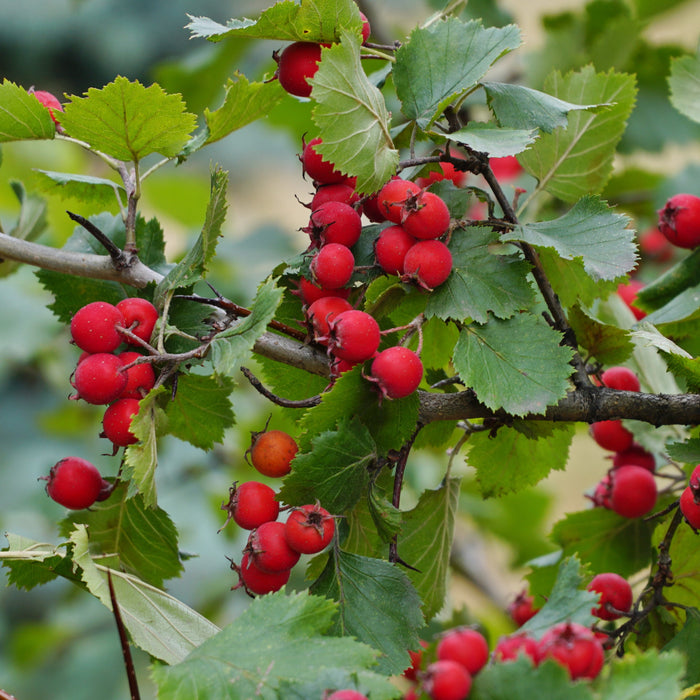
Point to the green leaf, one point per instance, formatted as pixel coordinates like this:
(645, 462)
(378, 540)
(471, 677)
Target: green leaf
(516, 458)
(309, 20)
(198, 258)
(353, 118)
(85, 188)
(686, 562)
(520, 378)
(688, 451)
(609, 344)
(589, 231)
(425, 543)
(377, 605)
(244, 102)
(128, 121)
(441, 63)
(662, 290)
(684, 82)
(519, 107)
(161, 625)
(684, 306)
(235, 343)
(484, 279)
(577, 161)
(687, 642)
(22, 116)
(125, 534)
(334, 470)
(645, 676)
(30, 563)
(201, 410)
(494, 140)
(278, 641)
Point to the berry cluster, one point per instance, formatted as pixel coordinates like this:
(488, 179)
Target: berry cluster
(273, 547)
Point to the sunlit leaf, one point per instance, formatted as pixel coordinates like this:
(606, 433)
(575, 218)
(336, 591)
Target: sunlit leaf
(22, 116)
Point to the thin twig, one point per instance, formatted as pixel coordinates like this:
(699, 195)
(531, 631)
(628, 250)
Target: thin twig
(119, 257)
(278, 400)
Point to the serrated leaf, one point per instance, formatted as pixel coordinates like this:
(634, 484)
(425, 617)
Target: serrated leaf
(86, 188)
(334, 470)
(244, 102)
(576, 161)
(684, 82)
(589, 231)
(687, 642)
(495, 140)
(161, 625)
(683, 275)
(127, 535)
(30, 563)
(309, 20)
(425, 543)
(520, 378)
(444, 61)
(516, 458)
(688, 451)
(646, 335)
(377, 605)
(647, 676)
(201, 409)
(520, 107)
(609, 344)
(129, 121)
(22, 116)
(353, 117)
(483, 280)
(278, 640)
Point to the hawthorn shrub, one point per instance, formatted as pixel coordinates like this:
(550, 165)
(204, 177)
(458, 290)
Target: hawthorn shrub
(495, 316)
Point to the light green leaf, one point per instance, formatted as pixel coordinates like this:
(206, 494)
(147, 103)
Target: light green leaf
(495, 140)
(519, 107)
(685, 274)
(86, 188)
(30, 563)
(684, 82)
(22, 116)
(577, 161)
(353, 117)
(683, 306)
(609, 344)
(128, 121)
(646, 676)
(590, 231)
(646, 335)
(520, 378)
(442, 62)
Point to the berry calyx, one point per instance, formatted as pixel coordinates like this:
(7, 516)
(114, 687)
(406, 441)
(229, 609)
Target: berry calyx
(621, 378)
(428, 263)
(99, 378)
(679, 220)
(332, 266)
(522, 608)
(309, 529)
(615, 596)
(74, 483)
(611, 435)
(251, 504)
(427, 217)
(394, 197)
(93, 327)
(116, 422)
(335, 222)
(575, 647)
(633, 491)
(258, 582)
(353, 336)
(397, 371)
(446, 680)
(140, 318)
(268, 546)
(272, 451)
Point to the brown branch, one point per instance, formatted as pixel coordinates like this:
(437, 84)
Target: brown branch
(124, 641)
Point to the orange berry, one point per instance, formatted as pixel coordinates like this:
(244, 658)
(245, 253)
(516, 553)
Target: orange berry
(272, 452)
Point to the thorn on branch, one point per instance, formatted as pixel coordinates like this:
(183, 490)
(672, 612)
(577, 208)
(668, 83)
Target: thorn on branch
(278, 400)
(119, 257)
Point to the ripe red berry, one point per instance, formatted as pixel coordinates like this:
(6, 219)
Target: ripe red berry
(416, 656)
(428, 263)
(353, 336)
(269, 548)
(447, 172)
(140, 378)
(465, 646)
(446, 680)
(140, 317)
(391, 247)
(296, 64)
(655, 246)
(506, 168)
(611, 435)
(694, 480)
(50, 101)
(116, 422)
(679, 220)
(322, 312)
(309, 529)
(509, 648)
(621, 378)
(575, 647)
(347, 695)
(522, 608)
(337, 192)
(335, 222)
(615, 595)
(258, 582)
(397, 371)
(628, 293)
(272, 452)
(310, 292)
(395, 196)
(601, 495)
(635, 454)
(427, 217)
(93, 327)
(99, 378)
(332, 266)
(251, 504)
(690, 507)
(366, 28)
(316, 167)
(633, 491)
(74, 483)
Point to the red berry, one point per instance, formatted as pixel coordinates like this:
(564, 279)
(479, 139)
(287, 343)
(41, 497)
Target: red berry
(395, 196)
(690, 507)
(447, 172)
(347, 695)
(269, 548)
(322, 312)
(335, 222)
(309, 529)
(251, 504)
(74, 483)
(391, 247)
(615, 592)
(522, 608)
(575, 647)
(259, 582)
(601, 495)
(465, 646)
(611, 435)
(332, 266)
(316, 167)
(310, 292)
(446, 680)
(140, 378)
(296, 64)
(655, 246)
(49, 101)
(99, 378)
(694, 480)
(621, 378)
(635, 454)
(272, 452)
(427, 217)
(354, 336)
(633, 491)
(509, 648)
(93, 327)
(366, 29)
(416, 657)
(116, 422)
(628, 293)
(428, 263)
(337, 192)
(506, 168)
(140, 317)
(397, 372)
(679, 220)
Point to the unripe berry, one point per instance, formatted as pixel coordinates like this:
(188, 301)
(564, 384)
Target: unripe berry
(74, 483)
(296, 64)
(679, 220)
(116, 422)
(397, 372)
(99, 378)
(93, 327)
(615, 592)
(272, 452)
(633, 491)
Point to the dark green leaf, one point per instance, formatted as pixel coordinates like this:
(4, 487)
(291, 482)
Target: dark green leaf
(30, 563)
(686, 368)
(609, 344)
(647, 676)
(683, 275)
(85, 188)
(688, 451)
(22, 116)
(687, 642)
(684, 82)
(685, 305)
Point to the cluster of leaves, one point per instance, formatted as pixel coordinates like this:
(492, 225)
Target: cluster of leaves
(488, 324)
